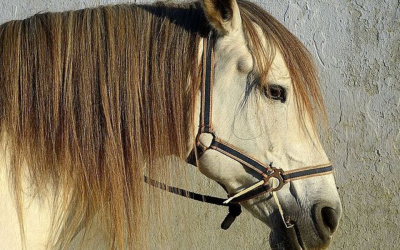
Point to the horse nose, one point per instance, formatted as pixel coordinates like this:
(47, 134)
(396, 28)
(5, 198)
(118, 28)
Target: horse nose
(326, 218)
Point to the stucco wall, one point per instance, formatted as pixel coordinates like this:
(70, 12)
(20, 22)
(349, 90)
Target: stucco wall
(356, 46)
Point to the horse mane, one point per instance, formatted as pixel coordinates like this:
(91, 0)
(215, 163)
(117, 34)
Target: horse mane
(91, 99)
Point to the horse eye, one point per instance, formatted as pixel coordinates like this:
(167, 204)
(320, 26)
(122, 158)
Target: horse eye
(275, 92)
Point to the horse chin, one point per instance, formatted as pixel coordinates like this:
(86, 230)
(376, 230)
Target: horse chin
(286, 239)
(289, 239)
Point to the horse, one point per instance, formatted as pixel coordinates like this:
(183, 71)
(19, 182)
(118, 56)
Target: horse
(93, 100)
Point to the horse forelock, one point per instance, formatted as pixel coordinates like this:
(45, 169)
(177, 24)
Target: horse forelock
(298, 60)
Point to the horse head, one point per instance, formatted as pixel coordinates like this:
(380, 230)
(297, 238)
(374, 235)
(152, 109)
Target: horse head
(264, 98)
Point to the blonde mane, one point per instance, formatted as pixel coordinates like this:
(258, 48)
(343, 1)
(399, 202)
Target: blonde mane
(90, 99)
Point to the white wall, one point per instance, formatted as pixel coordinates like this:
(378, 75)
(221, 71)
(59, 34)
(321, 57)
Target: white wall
(356, 46)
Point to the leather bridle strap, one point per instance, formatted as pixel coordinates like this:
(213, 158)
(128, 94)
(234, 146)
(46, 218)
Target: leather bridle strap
(207, 84)
(185, 193)
(267, 172)
(234, 209)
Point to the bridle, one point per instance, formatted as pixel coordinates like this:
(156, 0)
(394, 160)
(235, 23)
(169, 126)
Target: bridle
(271, 179)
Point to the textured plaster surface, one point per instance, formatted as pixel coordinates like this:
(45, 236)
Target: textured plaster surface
(356, 46)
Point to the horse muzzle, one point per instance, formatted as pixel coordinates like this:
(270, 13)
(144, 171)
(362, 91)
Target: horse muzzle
(310, 230)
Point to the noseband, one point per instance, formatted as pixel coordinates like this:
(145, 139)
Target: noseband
(271, 179)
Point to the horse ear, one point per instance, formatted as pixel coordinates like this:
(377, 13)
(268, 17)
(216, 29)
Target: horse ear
(223, 15)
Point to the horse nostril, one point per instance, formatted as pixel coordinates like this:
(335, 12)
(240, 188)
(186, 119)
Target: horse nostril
(330, 218)
(326, 220)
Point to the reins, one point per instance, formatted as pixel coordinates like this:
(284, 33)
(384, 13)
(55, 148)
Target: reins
(271, 179)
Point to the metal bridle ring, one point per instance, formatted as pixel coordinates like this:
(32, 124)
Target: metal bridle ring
(276, 174)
